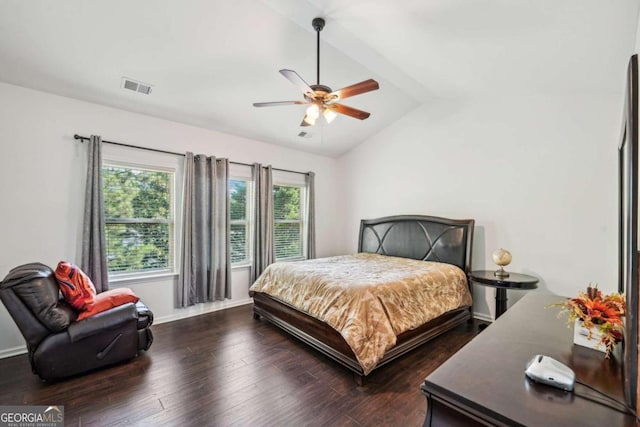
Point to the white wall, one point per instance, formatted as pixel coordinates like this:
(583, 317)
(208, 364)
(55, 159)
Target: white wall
(42, 174)
(537, 173)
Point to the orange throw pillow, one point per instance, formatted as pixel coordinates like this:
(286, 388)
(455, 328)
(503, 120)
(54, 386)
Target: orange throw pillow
(76, 286)
(108, 299)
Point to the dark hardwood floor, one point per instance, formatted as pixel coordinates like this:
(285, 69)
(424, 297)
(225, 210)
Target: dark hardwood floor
(225, 368)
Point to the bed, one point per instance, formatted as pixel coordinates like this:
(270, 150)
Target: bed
(439, 246)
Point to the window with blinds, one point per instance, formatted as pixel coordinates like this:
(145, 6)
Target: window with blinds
(239, 221)
(139, 220)
(288, 214)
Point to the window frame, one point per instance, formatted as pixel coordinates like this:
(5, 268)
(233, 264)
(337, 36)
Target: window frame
(290, 179)
(125, 157)
(247, 222)
(240, 172)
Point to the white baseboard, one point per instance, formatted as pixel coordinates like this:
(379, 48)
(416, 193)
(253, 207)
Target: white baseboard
(482, 316)
(201, 309)
(14, 351)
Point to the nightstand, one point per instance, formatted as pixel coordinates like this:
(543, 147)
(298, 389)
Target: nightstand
(514, 281)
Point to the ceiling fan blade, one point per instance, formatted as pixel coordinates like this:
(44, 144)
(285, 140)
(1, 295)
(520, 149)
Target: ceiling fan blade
(295, 78)
(304, 123)
(356, 89)
(348, 111)
(277, 103)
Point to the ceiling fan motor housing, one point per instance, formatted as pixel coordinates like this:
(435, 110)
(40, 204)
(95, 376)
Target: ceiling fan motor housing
(321, 88)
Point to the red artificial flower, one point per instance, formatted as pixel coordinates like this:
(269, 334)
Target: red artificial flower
(595, 310)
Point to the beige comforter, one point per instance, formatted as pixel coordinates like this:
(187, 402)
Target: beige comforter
(369, 299)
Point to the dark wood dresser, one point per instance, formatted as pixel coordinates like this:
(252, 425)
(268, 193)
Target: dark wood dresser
(484, 383)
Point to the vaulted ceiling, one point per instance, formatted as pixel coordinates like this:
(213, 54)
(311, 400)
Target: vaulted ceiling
(208, 61)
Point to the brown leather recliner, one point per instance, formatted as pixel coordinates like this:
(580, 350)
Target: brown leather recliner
(59, 346)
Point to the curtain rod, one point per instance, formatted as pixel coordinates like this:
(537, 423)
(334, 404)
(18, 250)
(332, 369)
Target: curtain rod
(121, 144)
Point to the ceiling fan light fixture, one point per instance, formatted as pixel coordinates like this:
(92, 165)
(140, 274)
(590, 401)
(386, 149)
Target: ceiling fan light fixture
(313, 111)
(311, 121)
(312, 114)
(329, 115)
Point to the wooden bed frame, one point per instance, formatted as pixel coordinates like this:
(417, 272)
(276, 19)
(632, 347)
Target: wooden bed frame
(408, 236)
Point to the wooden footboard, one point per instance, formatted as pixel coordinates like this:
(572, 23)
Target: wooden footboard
(328, 341)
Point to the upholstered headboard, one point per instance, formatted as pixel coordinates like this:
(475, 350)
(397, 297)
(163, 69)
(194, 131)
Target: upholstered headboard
(419, 237)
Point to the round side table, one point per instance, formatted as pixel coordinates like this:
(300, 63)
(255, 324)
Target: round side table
(514, 281)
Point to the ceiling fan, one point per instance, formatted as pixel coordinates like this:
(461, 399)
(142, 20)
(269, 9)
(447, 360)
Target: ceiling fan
(320, 98)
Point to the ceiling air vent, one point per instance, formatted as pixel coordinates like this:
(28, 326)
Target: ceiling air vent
(136, 86)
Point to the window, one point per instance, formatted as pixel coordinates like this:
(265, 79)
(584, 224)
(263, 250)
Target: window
(139, 219)
(239, 208)
(288, 214)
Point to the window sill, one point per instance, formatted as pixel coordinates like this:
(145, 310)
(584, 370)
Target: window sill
(115, 282)
(291, 259)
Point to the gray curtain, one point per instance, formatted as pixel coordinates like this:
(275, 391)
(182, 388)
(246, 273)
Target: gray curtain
(205, 273)
(311, 214)
(264, 251)
(94, 243)
(186, 275)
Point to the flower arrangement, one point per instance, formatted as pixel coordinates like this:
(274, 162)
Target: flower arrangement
(595, 310)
